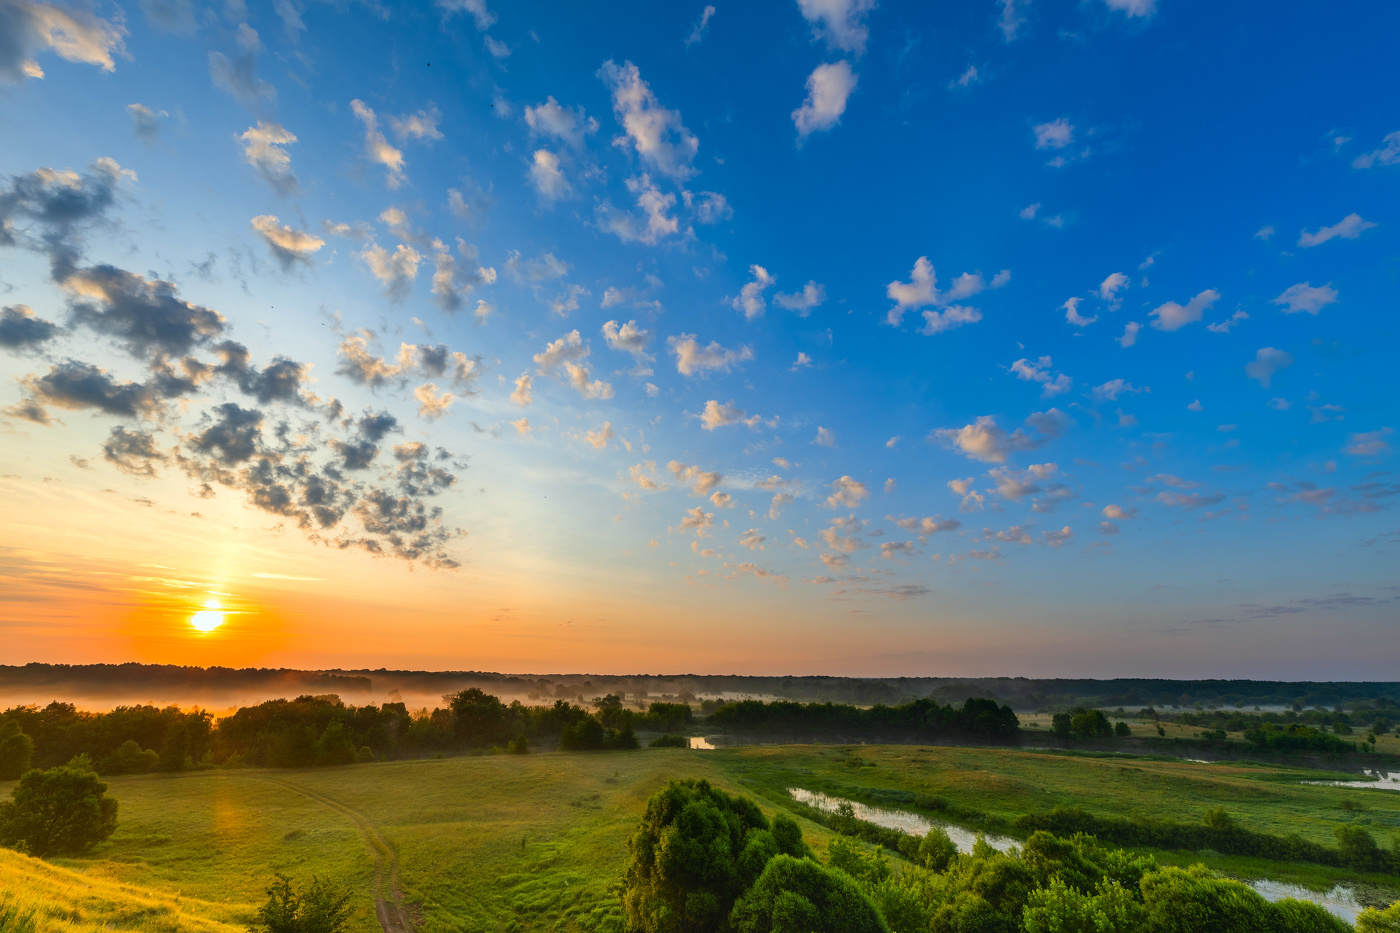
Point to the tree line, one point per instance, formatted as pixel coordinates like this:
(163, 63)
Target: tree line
(313, 730)
(978, 719)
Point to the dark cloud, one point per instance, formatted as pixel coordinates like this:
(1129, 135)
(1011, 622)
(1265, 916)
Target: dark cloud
(374, 425)
(146, 316)
(75, 385)
(48, 209)
(134, 452)
(233, 438)
(21, 329)
(279, 381)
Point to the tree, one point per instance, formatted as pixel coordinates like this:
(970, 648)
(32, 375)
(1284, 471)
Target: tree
(16, 751)
(320, 907)
(1090, 724)
(1059, 908)
(175, 750)
(1122, 730)
(1379, 921)
(795, 895)
(61, 811)
(129, 758)
(1359, 849)
(1061, 725)
(696, 851)
(937, 849)
(479, 715)
(520, 745)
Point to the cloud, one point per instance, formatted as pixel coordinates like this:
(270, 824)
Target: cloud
(1039, 371)
(986, 441)
(1017, 484)
(21, 328)
(701, 27)
(567, 353)
(1172, 316)
(481, 16)
(750, 301)
(922, 290)
(1133, 8)
(132, 452)
(1223, 327)
(1189, 501)
(264, 149)
(26, 28)
(709, 207)
(1369, 444)
(1011, 19)
(146, 316)
(538, 270)
(847, 492)
(1056, 539)
(395, 271)
(145, 123)
(655, 134)
(644, 475)
(1111, 390)
(1110, 287)
(828, 88)
(698, 521)
(926, 526)
(629, 338)
(288, 245)
(546, 176)
(1072, 315)
(803, 361)
(651, 224)
(523, 390)
(239, 75)
(452, 285)
(967, 79)
(1130, 334)
(566, 124)
(716, 415)
(840, 23)
(691, 358)
(1118, 512)
(599, 438)
(775, 508)
(432, 403)
(1348, 228)
(1303, 297)
(701, 482)
(377, 148)
(811, 296)
(1389, 154)
(971, 499)
(1267, 362)
(420, 126)
(825, 437)
(75, 385)
(1056, 134)
(752, 539)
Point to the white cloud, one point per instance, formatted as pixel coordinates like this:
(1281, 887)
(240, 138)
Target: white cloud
(1368, 444)
(1195, 406)
(628, 338)
(27, 27)
(1117, 512)
(483, 17)
(828, 87)
(599, 438)
(1039, 371)
(1264, 233)
(1056, 134)
(568, 353)
(985, 440)
(145, 122)
(1172, 316)
(718, 415)
(698, 521)
(811, 296)
(1348, 228)
(1110, 287)
(644, 475)
(451, 285)
(701, 27)
(396, 271)
(1111, 390)
(1012, 19)
(1130, 334)
(522, 425)
(1072, 315)
(567, 124)
(524, 390)
(841, 23)
(825, 437)
(709, 207)
(498, 49)
(1056, 538)
(1304, 297)
(1389, 154)
(263, 149)
(1267, 362)
(847, 492)
(802, 361)
(1017, 484)
(1223, 327)
(432, 404)
(652, 225)
(290, 246)
(967, 78)
(691, 358)
(780, 499)
(752, 539)
(377, 147)
(420, 125)
(750, 301)
(1133, 7)
(547, 177)
(1029, 211)
(653, 132)
(922, 290)
(701, 482)
(535, 270)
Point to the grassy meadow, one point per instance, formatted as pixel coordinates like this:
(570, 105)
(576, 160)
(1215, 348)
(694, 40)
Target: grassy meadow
(536, 842)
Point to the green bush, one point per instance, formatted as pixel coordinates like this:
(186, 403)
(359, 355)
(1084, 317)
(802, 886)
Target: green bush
(129, 758)
(61, 811)
(669, 741)
(1379, 921)
(320, 907)
(1060, 908)
(937, 850)
(795, 895)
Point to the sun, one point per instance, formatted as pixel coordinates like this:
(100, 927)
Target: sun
(208, 618)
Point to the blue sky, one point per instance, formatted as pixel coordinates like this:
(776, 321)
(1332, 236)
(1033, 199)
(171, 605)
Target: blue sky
(1001, 337)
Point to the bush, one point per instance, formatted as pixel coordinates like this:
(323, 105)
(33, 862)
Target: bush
(318, 908)
(1062, 909)
(16, 751)
(795, 894)
(520, 745)
(129, 758)
(1379, 921)
(1122, 730)
(669, 741)
(937, 850)
(61, 811)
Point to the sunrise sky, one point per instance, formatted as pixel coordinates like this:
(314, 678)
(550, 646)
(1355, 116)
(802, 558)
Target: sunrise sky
(993, 337)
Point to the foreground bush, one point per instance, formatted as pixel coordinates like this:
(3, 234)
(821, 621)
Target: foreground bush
(320, 907)
(797, 896)
(61, 811)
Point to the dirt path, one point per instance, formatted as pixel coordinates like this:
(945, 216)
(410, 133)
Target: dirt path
(393, 916)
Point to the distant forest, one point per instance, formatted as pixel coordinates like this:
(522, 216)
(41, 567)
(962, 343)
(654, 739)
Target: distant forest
(1020, 693)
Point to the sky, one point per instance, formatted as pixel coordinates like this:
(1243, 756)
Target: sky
(838, 336)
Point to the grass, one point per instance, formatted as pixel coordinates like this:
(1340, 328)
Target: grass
(536, 842)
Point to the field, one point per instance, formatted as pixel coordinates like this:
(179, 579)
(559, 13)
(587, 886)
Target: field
(536, 842)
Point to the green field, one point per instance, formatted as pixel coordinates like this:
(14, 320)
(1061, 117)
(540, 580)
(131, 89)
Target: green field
(536, 842)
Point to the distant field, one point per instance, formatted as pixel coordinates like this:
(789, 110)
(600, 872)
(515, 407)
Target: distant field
(535, 842)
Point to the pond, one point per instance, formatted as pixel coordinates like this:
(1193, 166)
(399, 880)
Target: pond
(1380, 780)
(1341, 900)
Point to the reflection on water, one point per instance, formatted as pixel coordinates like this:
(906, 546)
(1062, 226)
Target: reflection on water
(1383, 780)
(699, 741)
(1340, 900)
(910, 823)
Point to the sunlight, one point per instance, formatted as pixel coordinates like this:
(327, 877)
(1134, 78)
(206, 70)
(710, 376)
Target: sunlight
(208, 618)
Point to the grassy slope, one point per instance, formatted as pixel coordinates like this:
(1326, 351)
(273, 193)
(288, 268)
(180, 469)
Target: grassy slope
(534, 843)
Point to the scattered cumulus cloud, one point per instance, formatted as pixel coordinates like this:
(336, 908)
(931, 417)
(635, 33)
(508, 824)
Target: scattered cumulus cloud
(839, 23)
(1304, 297)
(1172, 316)
(693, 359)
(655, 134)
(1348, 228)
(829, 86)
(1268, 362)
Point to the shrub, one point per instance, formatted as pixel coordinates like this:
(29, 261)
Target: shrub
(129, 758)
(937, 850)
(669, 741)
(320, 907)
(520, 745)
(1062, 909)
(1379, 921)
(796, 894)
(61, 811)
(1122, 730)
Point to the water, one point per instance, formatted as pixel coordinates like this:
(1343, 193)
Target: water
(1383, 780)
(1341, 900)
(911, 823)
(699, 741)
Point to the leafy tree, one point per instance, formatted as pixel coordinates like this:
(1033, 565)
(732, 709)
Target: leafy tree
(1060, 908)
(1379, 921)
(1359, 849)
(795, 895)
(868, 866)
(16, 751)
(61, 811)
(129, 758)
(520, 745)
(669, 741)
(1192, 900)
(175, 750)
(1089, 724)
(937, 850)
(696, 851)
(1122, 730)
(320, 907)
(1061, 724)
(479, 715)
